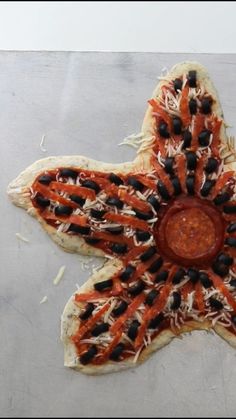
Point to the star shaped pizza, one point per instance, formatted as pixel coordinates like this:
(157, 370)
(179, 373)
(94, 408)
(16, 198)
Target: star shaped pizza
(167, 222)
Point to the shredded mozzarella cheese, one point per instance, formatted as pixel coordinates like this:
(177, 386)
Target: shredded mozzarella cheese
(22, 238)
(44, 299)
(59, 275)
(41, 145)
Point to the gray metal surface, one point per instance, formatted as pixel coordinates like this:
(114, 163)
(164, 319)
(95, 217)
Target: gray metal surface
(85, 103)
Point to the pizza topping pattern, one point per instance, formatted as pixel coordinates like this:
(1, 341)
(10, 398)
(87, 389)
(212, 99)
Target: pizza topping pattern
(173, 227)
(167, 222)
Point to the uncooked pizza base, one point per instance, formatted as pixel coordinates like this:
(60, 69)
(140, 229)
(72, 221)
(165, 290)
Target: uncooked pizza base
(20, 194)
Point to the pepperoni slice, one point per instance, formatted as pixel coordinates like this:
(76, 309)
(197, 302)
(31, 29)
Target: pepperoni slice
(181, 170)
(161, 113)
(190, 232)
(199, 297)
(184, 107)
(127, 220)
(221, 182)
(133, 201)
(47, 193)
(198, 126)
(73, 189)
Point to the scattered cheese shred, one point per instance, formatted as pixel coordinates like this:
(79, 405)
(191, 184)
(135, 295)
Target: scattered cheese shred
(41, 145)
(135, 359)
(44, 299)
(22, 238)
(59, 276)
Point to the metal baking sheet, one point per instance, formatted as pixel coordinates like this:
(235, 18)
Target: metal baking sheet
(86, 103)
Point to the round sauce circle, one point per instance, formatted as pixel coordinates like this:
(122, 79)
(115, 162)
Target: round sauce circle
(190, 232)
(188, 227)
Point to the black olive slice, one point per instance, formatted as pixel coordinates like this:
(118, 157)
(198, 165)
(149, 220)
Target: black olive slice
(77, 199)
(192, 106)
(143, 215)
(190, 180)
(88, 183)
(115, 179)
(143, 236)
(176, 185)
(156, 321)
(120, 309)
(206, 105)
(151, 297)
(127, 272)
(117, 351)
(87, 312)
(215, 304)
(176, 303)
(232, 283)
(193, 275)
(115, 230)
(192, 78)
(103, 285)
(191, 158)
(187, 138)
(231, 241)
(205, 280)
(92, 240)
(178, 276)
(204, 138)
(153, 201)
(177, 125)
(45, 179)
(63, 210)
(211, 165)
(168, 165)
(231, 228)
(133, 330)
(75, 228)
(220, 269)
(41, 201)
(136, 184)
(68, 173)
(99, 329)
(163, 190)
(163, 130)
(161, 277)
(89, 355)
(225, 258)
(229, 209)
(137, 288)
(119, 248)
(156, 265)
(115, 202)
(148, 254)
(207, 187)
(221, 198)
(178, 83)
(98, 214)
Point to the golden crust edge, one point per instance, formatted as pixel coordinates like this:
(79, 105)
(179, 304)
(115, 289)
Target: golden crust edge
(163, 339)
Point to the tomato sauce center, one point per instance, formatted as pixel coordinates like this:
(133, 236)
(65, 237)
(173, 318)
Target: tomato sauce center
(188, 227)
(190, 232)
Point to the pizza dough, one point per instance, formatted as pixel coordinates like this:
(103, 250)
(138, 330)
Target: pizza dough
(147, 293)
